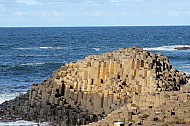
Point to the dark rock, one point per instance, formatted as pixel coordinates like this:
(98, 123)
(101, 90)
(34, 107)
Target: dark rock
(182, 48)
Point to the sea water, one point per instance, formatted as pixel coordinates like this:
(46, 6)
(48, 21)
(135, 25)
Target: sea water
(30, 55)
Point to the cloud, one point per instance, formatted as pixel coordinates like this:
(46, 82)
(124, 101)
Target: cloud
(180, 13)
(2, 8)
(58, 13)
(51, 13)
(146, 2)
(43, 13)
(126, 1)
(76, 1)
(97, 13)
(63, 1)
(28, 2)
(19, 13)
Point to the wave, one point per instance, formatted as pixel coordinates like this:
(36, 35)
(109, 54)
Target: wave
(22, 123)
(40, 63)
(33, 64)
(45, 47)
(167, 48)
(96, 49)
(5, 66)
(8, 96)
(38, 48)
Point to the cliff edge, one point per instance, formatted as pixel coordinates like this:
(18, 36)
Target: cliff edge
(127, 84)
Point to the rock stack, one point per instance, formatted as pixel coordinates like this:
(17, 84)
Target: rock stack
(88, 90)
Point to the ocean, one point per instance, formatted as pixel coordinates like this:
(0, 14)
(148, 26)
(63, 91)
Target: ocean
(30, 55)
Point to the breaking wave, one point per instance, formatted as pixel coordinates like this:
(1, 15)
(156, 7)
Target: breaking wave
(167, 48)
(22, 123)
(8, 96)
(96, 49)
(32, 64)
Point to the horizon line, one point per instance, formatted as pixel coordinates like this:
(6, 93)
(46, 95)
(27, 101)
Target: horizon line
(93, 26)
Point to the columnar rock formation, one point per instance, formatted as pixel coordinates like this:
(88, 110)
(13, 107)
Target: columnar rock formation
(86, 91)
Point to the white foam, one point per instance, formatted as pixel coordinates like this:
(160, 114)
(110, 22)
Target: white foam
(22, 123)
(8, 96)
(45, 47)
(166, 48)
(32, 64)
(97, 49)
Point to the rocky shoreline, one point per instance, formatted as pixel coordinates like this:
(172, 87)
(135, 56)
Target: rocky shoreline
(130, 85)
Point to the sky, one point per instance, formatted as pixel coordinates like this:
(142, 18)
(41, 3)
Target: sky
(72, 13)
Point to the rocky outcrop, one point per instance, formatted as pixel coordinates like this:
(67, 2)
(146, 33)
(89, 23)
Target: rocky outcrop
(182, 48)
(174, 111)
(88, 90)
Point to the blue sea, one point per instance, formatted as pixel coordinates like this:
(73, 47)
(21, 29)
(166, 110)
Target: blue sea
(30, 55)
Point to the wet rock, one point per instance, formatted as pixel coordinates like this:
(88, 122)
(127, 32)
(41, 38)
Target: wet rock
(182, 48)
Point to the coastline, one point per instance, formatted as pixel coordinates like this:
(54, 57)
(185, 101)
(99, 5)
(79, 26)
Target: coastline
(88, 90)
